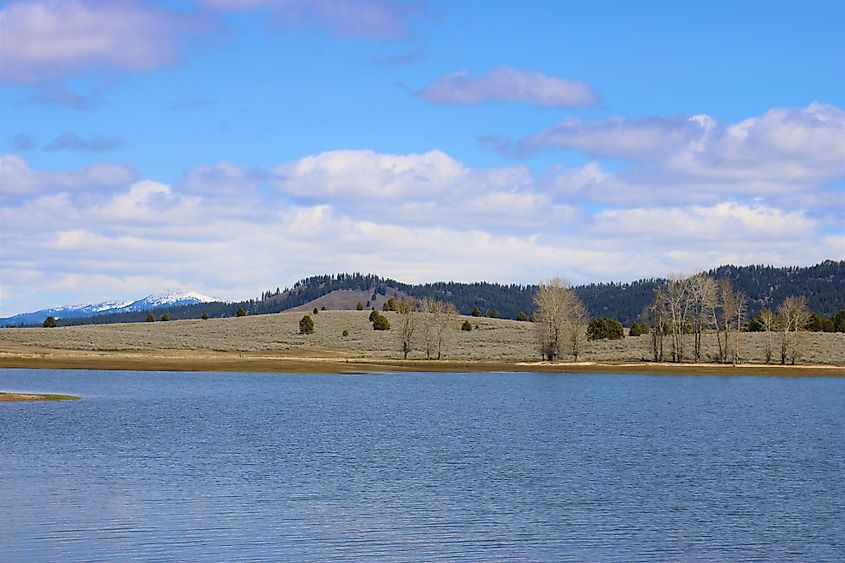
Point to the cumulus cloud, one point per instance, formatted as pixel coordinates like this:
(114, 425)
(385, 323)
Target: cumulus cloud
(49, 39)
(636, 138)
(506, 84)
(797, 145)
(87, 233)
(69, 140)
(792, 157)
(365, 174)
(380, 19)
(19, 179)
(724, 221)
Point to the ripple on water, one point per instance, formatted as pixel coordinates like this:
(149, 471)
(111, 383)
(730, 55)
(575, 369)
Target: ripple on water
(423, 466)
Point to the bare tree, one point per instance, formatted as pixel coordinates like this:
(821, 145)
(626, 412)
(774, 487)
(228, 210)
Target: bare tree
(655, 313)
(578, 321)
(702, 291)
(794, 317)
(728, 306)
(446, 321)
(740, 303)
(437, 318)
(769, 322)
(429, 309)
(408, 321)
(561, 320)
(676, 302)
(550, 301)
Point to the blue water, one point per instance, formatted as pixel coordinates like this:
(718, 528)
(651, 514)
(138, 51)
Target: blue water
(200, 466)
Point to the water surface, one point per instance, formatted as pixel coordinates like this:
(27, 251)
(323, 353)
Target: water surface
(211, 466)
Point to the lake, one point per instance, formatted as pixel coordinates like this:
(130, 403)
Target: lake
(419, 466)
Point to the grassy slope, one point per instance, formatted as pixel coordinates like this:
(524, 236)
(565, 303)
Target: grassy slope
(273, 343)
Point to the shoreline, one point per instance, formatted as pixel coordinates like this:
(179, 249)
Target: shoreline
(12, 397)
(267, 363)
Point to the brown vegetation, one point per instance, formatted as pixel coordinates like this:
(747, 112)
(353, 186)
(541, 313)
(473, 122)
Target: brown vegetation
(28, 397)
(274, 343)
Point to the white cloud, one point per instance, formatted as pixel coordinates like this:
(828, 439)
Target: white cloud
(366, 175)
(416, 217)
(50, 39)
(617, 136)
(799, 146)
(17, 178)
(727, 221)
(506, 84)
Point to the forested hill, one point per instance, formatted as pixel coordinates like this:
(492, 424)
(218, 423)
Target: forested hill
(765, 286)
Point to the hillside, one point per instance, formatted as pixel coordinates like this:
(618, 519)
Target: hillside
(275, 338)
(765, 286)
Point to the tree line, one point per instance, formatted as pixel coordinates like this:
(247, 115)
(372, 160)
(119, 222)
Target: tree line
(763, 286)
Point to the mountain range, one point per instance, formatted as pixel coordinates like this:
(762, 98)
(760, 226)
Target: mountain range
(765, 286)
(175, 298)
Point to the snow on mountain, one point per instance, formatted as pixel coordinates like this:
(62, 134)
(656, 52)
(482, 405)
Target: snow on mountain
(166, 299)
(169, 299)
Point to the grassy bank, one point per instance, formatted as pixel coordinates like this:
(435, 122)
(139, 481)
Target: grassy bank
(272, 343)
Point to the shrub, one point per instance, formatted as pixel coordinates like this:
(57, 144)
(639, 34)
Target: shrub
(476, 312)
(323, 308)
(151, 318)
(380, 322)
(390, 305)
(522, 317)
(49, 322)
(345, 332)
(638, 329)
(605, 329)
(316, 311)
(240, 312)
(359, 306)
(165, 317)
(467, 326)
(306, 325)
(205, 316)
(494, 313)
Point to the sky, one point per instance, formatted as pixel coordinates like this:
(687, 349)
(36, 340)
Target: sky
(233, 146)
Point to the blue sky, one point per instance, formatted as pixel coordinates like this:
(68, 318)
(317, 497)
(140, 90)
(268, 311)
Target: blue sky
(230, 146)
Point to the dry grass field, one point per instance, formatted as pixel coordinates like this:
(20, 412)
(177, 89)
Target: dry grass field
(273, 343)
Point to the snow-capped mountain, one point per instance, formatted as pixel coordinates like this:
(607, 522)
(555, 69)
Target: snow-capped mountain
(168, 299)
(155, 301)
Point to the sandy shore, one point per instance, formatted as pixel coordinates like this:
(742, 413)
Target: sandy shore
(28, 397)
(256, 362)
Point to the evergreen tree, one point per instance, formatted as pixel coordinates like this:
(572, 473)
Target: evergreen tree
(605, 329)
(380, 322)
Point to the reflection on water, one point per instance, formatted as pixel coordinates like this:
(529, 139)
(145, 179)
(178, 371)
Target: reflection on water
(157, 466)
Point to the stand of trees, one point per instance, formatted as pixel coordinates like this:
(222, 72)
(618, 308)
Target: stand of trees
(561, 320)
(695, 305)
(700, 304)
(426, 324)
